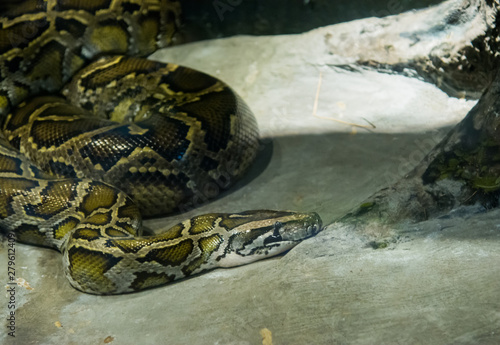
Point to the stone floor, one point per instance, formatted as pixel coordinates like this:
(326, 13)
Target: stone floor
(437, 282)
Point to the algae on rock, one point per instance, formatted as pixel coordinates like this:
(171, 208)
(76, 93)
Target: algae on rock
(464, 168)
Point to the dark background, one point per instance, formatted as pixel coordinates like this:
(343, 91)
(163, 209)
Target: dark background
(204, 19)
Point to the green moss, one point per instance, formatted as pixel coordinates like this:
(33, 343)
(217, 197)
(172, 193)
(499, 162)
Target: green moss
(367, 205)
(378, 245)
(453, 163)
(486, 183)
(479, 166)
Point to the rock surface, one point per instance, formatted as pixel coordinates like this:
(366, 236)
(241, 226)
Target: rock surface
(435, 282)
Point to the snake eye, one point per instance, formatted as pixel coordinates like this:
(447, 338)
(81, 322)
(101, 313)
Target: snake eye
(277, 227)
(275, 237)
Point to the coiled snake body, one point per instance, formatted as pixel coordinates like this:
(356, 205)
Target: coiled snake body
(130, 136)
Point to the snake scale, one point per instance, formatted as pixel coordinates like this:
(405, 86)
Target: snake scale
(94, 136)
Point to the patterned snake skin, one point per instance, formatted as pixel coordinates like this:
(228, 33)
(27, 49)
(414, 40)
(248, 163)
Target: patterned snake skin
(93, 138)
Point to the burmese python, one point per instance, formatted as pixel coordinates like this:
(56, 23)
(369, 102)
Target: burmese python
(130, 136)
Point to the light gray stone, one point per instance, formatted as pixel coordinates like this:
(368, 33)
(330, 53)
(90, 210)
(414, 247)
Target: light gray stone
(434, 283)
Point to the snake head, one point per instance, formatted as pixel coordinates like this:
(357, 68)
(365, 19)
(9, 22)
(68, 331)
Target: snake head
(266, 233)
